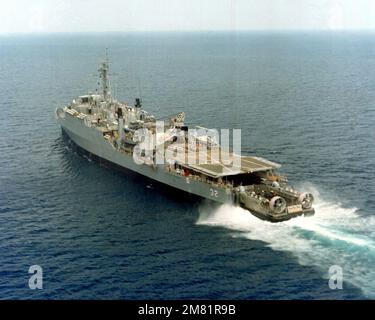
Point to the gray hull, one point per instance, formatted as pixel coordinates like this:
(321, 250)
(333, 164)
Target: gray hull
(92, 141)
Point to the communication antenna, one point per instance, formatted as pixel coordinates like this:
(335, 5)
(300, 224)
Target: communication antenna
(138, 101)
(139, 89)
(103, 71)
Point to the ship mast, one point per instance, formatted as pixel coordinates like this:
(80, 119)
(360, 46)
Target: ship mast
(103, 71)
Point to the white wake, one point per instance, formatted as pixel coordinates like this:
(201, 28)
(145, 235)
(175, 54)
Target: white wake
(334, 236)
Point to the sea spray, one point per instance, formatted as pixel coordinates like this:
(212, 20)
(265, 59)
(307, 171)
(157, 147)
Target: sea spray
(334, 236)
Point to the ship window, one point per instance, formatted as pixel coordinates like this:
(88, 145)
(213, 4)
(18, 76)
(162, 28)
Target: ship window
(85, 100)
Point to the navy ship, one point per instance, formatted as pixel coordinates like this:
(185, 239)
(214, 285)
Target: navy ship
(119, 133)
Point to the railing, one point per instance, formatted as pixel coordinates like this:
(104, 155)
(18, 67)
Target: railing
(180, 173)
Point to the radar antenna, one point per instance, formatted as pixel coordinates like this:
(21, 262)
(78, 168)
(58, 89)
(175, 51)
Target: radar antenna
(103, 71)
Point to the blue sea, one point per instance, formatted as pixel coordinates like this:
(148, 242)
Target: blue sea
(305, 100)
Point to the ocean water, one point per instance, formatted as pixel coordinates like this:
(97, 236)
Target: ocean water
(305, 100)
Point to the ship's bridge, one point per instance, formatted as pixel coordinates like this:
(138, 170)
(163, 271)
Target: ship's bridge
(88, 98)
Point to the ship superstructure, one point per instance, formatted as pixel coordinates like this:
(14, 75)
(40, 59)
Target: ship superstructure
(114, 131)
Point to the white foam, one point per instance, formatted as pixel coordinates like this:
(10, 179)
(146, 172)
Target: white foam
(334, 236)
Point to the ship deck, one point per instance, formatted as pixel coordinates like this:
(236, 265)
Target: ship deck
(216, 167)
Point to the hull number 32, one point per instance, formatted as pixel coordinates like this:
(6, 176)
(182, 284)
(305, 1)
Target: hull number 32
(214, 193)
